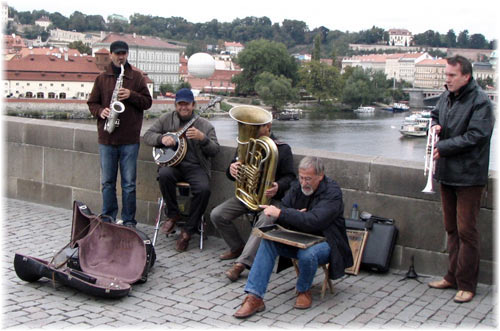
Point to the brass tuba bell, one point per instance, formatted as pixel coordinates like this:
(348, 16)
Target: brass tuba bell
(258, 156)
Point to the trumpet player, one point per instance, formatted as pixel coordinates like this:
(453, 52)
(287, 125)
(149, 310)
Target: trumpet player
(120, 148)
(463, 119)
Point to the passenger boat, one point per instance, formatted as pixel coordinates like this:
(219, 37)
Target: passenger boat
(289, 114)
(399, 107)
(362, 109)
(416, 125)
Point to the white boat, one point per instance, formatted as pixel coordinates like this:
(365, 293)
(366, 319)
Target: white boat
(362, 109)
(416, 125)
(399, 107)
(289, 114)
(414, 129)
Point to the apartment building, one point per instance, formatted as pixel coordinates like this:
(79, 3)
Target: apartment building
(407, 65)
(154, 56)
(375, 62)
(51, 77)
(429, 74)
(62, 38)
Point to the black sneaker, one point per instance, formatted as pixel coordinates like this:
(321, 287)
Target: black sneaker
(129, 224)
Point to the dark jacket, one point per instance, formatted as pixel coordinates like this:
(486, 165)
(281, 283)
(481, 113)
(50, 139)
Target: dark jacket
(129, 130)
(170, 122)
(284, 169)
(464, 142)
(325, 215)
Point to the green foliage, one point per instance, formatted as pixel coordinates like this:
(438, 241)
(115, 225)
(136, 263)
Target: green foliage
(81, 47)
(316, 55)
(275, 91)
(166, 87)
(320, 80)
(263, 56)
(364, 87)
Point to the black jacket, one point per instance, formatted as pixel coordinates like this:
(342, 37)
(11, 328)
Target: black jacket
(464, 142)
(324, 215)
(284, 169)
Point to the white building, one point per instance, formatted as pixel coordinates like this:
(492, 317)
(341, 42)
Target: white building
(62, 38)
(44, 22)
(233, 47)
(158, 58)
(407, 65)
(400, 37)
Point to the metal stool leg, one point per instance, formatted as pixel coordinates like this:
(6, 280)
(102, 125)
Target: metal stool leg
(202, 231)
(158, 219)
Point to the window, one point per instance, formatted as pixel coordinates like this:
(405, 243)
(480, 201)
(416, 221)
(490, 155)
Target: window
(62, 85)
(52, 95)
(62, 95)
(29, 95)
(39, 95)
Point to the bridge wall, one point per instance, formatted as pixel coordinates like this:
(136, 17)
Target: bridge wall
(55, 163)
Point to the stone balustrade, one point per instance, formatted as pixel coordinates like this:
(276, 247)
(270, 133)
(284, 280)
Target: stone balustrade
(55, 163)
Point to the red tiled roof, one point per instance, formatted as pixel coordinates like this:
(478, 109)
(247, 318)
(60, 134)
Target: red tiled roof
(138, 40)
(232, 44)
(25, 51)
(432, 62)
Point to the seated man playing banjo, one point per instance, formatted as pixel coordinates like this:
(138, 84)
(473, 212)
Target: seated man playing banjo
(313, 205)
(194, 167)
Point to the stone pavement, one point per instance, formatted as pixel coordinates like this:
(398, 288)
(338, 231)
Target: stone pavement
(189, 290)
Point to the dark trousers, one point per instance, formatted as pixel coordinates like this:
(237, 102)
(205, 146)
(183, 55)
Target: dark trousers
(197, 178)
(460, 211)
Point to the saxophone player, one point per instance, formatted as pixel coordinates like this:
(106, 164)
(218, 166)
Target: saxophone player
(120, 148)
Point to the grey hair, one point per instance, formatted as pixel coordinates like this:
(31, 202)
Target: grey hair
(313, 161)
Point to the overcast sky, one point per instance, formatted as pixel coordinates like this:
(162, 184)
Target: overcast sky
(417, 16)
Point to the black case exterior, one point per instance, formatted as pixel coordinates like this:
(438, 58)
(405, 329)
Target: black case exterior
(379, 245)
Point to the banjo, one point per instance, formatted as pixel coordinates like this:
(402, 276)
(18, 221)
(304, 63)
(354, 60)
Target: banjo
(171, 156)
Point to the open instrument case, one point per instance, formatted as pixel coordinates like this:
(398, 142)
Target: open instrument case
(102, 258)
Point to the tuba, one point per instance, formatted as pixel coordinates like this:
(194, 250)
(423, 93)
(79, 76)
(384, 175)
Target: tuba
(116, 107)
(258, 156)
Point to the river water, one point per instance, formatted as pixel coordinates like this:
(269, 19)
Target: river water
(374, 134)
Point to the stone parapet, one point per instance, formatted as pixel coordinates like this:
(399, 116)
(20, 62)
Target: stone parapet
(55, 163)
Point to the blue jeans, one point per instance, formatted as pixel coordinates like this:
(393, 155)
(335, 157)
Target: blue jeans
(309, 260)
(125, 157)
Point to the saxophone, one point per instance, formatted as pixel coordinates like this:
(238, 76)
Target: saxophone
(116, 107)
(258, 156)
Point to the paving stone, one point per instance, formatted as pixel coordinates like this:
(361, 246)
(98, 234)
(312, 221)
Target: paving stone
(188, 290)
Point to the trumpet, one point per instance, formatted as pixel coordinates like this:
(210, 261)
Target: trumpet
(430, 163)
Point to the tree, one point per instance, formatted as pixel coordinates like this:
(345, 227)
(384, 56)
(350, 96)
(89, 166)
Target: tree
(463, 39)
(275, 91)
(295, 30)
(166, 87)
(320, 80)
(364, 87)
(77, 22)
(478, 41)
(81, 47)
(316, 54)
(451, 39)
(263, 56)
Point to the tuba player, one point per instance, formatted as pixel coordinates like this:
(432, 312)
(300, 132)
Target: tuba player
(224, 214)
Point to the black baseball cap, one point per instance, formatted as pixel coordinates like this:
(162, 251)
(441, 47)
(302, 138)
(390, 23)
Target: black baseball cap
(118, 46)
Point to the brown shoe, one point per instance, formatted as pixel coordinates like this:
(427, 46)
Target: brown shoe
(169, 224)
(441, 284)
(229, 255)
(182, 241)
(234, 272)
(463, 296)
(304, 300)
(250, 306)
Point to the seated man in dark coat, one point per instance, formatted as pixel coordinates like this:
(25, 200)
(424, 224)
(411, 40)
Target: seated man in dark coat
(312, 205)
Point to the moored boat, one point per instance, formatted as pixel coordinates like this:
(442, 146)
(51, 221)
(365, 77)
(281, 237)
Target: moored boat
(399, 107)
(289, 114)
(365, 109)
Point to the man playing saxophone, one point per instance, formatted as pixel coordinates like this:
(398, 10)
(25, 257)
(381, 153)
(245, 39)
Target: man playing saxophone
(224, 214)
(120, 147)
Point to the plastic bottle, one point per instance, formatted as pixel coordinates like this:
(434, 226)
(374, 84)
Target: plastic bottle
(355, 212)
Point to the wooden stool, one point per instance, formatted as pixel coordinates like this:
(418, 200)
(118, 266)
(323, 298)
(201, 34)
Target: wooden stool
(326, 281)
(183, 188)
